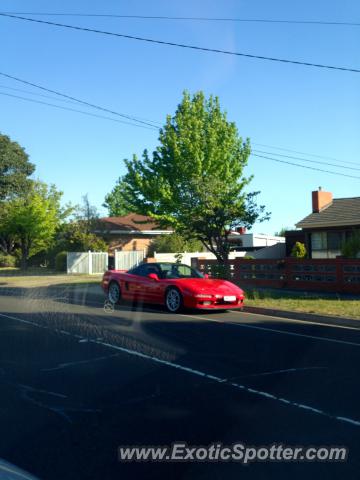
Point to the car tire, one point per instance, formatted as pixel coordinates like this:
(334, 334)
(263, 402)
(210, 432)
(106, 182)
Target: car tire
(173, 300)
(114, 293)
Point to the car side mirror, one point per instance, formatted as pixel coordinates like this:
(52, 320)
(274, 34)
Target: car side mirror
(153, 276)
(206, 275)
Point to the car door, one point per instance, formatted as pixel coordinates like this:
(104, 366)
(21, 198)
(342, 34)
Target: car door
(134, 285)
(141, 288)
(153, 288)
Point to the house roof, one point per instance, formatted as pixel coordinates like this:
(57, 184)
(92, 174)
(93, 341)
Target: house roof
(131, 223)
(341, 212)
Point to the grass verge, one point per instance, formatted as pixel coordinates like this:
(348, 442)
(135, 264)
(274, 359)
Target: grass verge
(334, 306)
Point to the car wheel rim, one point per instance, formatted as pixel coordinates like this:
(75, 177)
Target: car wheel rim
(114, 293)
(173, 300)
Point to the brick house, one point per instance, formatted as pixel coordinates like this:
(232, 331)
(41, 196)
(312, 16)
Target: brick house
(331, 223)
(129, 232)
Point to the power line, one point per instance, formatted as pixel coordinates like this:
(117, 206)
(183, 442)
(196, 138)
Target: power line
(303, 153)
(306, 160)
(74, 110)
(201, 19)
(305, 166)
(181, 45)
(129, 117)
(37, 94)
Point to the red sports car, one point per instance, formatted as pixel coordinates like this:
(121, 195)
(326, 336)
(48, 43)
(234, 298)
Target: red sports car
(174, 285)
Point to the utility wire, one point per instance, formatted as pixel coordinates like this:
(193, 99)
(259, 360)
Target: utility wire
(181, 45)
(305, 166)
(152, 124)
(306, 160)
(302, 153)
(74, 110)
(28, 92)
(149, 128)
(201, 19)
(129, 117)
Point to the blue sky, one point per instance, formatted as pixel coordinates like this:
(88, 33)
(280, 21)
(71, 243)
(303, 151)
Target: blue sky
(294, 107)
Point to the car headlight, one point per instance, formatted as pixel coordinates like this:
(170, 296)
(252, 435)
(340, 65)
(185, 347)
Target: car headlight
(202, 295)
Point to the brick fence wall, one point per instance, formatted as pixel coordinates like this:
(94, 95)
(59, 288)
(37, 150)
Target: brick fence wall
(328, 275)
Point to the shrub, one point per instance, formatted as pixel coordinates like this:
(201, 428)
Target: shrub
(218, 271)
(174, 243)
(7, 260)
(351, 248)
(298, 250)
(60, 262)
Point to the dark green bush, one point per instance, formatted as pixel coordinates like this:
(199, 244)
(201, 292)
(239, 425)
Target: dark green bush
(60, 262)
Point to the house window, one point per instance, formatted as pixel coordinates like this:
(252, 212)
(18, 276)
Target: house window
(318, 241)
(334, 240)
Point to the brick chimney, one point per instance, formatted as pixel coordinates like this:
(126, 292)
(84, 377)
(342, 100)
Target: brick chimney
(321, 200)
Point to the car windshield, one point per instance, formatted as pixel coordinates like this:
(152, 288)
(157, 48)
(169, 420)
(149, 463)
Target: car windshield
(175, 270)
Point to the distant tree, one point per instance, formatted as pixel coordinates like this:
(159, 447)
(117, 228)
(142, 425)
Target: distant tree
(15, 169)
(281, 232)
(174, 243)
(33, 218)
(7, 239)
(194, 180)
(298, 250)
(115, 201)
(73, 238)
(351, 248)
(86, 214)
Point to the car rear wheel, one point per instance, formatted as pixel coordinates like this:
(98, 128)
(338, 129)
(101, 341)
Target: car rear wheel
(114, 293)
(173, 300)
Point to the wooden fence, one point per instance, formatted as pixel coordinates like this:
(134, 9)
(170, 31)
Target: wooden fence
(328, 275)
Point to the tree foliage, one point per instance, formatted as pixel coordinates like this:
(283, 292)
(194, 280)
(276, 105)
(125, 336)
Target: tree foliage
(33, 218)
(298, 250)
(351, 248)
(86, 215)
(73, 238)
(15, 169)
(193, 181)
(115, 202)
(174, 243)
(281, 232)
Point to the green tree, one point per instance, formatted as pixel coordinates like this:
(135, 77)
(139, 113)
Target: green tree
(281, 232)
(351, 248)
(115, 201)
(73, 238)
(33, 218)
(86, 215)
(174, 243)
(15, 169)
(194, 182)
(298, 250)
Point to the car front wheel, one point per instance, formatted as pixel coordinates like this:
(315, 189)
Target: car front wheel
(114, 293)
(173, 300)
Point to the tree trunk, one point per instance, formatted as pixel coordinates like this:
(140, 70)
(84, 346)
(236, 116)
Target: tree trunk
(24, 255)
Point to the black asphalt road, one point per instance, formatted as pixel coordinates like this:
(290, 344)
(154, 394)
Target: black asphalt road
(77, 382)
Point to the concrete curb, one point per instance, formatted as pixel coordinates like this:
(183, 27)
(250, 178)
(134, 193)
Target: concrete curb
(306, 317)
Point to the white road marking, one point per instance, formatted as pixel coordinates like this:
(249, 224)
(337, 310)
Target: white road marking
(276, 372)
(199, 373)
(79, 362)
(273, 330)
(303, 322)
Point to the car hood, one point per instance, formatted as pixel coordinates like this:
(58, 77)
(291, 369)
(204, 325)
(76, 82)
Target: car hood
(210, 285)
